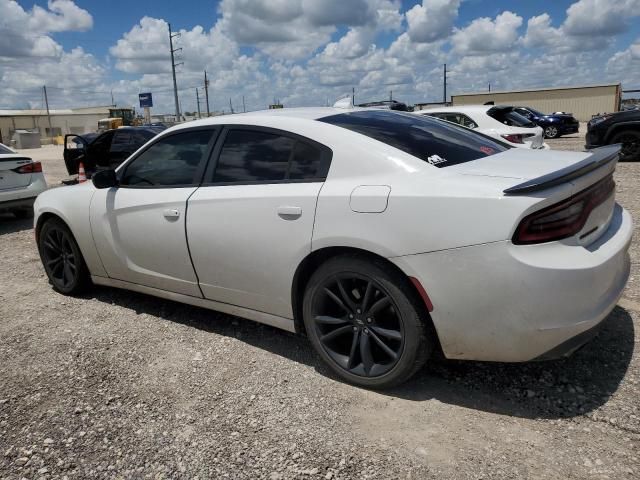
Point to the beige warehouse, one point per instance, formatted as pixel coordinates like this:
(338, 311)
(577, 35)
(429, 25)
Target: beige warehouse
(582, 101)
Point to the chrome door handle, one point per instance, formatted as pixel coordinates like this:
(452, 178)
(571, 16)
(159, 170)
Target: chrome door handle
(289, 212)
(171, 213)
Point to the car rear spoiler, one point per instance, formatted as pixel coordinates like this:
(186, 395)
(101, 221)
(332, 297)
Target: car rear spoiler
(599, 157)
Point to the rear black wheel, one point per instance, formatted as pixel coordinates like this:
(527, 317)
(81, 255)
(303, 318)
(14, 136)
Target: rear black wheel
(630, 141)
(364, 321)
(551, 132)
(62, 259)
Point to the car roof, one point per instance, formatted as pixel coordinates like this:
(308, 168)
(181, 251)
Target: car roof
(458, 108)
(301, 113)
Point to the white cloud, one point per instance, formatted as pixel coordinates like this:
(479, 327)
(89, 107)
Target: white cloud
(485, 36)
(433, 20)
(62, 16)
(600, 17)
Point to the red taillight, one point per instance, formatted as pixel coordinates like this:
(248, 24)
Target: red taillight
(513, 138)
(563, 219)
(33, 167)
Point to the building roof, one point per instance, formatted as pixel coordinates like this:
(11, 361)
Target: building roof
(524, 90)
(99, 110)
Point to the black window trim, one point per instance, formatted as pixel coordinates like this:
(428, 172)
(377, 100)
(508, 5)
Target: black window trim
(327, 156)
(197, 177)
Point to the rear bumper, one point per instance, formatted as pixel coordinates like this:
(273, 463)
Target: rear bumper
(20, 203)
(565, 129)
(515, 303)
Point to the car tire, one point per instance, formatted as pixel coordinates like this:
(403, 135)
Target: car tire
(23, 213)
(61, 257)
(374, 340)
(630, 140)
(551, 132)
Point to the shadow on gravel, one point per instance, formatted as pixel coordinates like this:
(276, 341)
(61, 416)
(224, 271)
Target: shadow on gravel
(10, 224)
(553, 389)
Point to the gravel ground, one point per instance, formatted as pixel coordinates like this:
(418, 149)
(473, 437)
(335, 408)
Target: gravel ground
(121, 385)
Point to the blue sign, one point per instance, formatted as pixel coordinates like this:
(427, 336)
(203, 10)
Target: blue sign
(145, 100)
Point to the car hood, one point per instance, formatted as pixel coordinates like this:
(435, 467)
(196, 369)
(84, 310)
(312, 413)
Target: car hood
(519, 163)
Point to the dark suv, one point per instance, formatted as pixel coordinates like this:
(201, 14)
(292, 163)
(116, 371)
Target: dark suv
(620, 127)
(553, 124)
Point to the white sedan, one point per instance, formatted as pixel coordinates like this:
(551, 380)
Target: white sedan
(380, 235)
(500, 122)
(21, 180)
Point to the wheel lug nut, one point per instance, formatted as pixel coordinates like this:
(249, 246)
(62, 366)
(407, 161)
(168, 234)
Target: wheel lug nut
(366, 330)
(350, 315)
(355, 329)
(358, 311)
(368, 320)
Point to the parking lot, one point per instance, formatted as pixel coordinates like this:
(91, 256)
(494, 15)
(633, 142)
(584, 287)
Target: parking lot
(122, 385)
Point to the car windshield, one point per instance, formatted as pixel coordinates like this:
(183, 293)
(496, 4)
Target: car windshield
(4, 149)
(508, 116)
(438, 143)
(537, 113)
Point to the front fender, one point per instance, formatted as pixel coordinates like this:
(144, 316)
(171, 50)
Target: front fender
(71, 204)
(619, 126)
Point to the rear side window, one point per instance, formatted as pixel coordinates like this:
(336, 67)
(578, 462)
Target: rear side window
(4, 149)
(438, 143)
(253, 156)
(510, 117)
(171, 161)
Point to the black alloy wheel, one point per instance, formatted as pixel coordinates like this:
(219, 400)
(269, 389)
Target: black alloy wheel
(630, 141)
(358, 324)
(365, 322)
(61, 258)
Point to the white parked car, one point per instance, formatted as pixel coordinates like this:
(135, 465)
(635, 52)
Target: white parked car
(21, 180)
(500, 122)
(381, 235)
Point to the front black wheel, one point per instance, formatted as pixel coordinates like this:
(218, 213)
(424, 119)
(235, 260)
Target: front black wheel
(364, 321)
(62, 259)
(630, 141)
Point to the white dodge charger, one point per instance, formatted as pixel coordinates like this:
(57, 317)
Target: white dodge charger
(380, 235)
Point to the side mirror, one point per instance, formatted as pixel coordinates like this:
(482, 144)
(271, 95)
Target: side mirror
(105, 179)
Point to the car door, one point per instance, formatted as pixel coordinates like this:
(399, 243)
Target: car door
(98, 151)
(120, 148)
(139, 226)
(251, 223)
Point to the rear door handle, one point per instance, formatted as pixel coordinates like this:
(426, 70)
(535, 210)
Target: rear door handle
(289, 212)
(171, 213)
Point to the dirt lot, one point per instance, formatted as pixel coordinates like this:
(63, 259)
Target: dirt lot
(121, 385)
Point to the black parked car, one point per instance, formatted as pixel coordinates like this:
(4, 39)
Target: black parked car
(620, 127)
(553, 124)
(104, 150)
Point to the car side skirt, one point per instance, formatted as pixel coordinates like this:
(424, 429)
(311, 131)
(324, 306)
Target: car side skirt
(260, 317)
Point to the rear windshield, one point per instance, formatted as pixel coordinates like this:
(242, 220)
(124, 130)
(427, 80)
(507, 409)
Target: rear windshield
(509, 117)
(438, 143)
(4, 149)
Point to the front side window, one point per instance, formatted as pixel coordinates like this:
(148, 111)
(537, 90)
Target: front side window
(252, 156)
(438, 143)
(508, 116)
(171, 161)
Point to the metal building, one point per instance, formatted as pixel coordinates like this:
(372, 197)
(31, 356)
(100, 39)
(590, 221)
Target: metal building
(582, 101)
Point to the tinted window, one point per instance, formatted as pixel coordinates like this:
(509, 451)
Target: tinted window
(4, 149)
(140, 137)
(510, 117)
(308, 162)
(435, 142)
(253, 156)
(170, 161)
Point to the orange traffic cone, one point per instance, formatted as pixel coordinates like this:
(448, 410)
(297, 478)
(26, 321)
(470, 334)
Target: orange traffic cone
(82, 176)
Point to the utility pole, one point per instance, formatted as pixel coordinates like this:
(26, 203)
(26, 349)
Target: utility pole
(198, 102)
(112, 102)
(353, 96)
(444, 95)
(230, 106)
(46, 102)
(244, 108)
(173, 70)
(391, 95)
(489, 86)
(206, 92)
